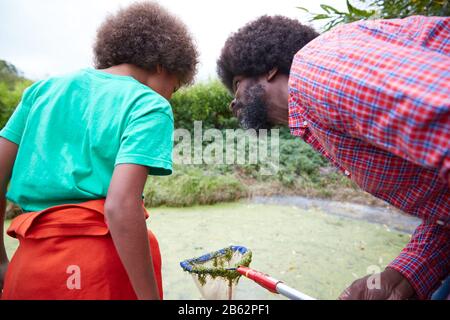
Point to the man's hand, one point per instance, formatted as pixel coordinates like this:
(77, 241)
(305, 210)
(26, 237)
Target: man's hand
(392, 286)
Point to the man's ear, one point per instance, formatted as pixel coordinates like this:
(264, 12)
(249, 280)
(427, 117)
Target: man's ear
(272, 73)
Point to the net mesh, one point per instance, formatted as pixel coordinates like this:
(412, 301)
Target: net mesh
(211, 272)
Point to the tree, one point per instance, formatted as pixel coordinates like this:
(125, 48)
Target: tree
(380, 9)
(12, 84)
(9, 73)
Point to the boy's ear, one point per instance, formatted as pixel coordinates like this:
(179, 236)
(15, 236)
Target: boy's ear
(159, 68)
(272, 73)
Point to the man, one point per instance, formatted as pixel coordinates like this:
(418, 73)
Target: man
(374, 98)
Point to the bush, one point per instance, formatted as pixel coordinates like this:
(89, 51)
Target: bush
(192, 186)
(208, 102)
(297, 158)
(12, 85)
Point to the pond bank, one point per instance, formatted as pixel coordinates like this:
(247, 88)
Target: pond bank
(383, 215)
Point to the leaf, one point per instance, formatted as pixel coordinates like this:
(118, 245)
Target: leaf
(321, 16)
(358, 12)
(304, 9)
(328, 8)
(333, 23)
(324, 7)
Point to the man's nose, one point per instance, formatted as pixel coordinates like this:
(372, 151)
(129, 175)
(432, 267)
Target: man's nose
(232, 104)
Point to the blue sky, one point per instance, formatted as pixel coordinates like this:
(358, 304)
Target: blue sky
(49, 37)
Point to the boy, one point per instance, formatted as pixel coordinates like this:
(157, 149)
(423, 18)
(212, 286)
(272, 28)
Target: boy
(81, 146)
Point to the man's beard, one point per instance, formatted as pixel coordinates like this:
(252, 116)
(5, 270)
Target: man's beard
(253, 106)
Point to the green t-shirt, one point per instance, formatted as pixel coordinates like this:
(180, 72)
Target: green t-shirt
(72, 131)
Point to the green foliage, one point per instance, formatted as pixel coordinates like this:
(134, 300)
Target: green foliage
(299, 165)
(375, 9)
(336, 17)
(190, 185)
(10, 95)
(12, 85)
(8, 72)
(298, 160)
(404, 8)
(208, 102)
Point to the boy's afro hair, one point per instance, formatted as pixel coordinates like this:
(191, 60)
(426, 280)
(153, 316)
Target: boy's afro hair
(146, 35)
(261, 45)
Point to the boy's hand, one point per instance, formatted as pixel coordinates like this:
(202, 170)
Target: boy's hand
(393, 286)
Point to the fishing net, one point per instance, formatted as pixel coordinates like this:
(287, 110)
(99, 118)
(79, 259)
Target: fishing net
(211, 271)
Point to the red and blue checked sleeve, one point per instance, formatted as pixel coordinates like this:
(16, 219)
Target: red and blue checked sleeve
(385, 82)
(425, 261)
(374, 98)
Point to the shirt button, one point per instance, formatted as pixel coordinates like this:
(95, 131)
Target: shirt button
(305, 123)
(440, 222)
(347, 173)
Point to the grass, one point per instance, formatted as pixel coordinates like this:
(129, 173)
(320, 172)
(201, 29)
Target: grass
(204, 185)
(192, 186)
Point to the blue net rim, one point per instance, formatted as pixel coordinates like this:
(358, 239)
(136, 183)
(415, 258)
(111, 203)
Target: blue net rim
(187, 265)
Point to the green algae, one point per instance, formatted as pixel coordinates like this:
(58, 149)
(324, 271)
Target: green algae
(314, 252)
(221, 267)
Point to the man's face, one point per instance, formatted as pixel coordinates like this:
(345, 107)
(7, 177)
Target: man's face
(250, 103)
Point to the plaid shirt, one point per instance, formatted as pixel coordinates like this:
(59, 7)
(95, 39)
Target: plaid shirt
(374, 98)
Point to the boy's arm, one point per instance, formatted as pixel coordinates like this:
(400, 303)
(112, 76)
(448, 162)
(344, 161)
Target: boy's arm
(8, 152)
(126, 221)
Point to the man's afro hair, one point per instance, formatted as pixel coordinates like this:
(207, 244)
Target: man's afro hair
(261, 45)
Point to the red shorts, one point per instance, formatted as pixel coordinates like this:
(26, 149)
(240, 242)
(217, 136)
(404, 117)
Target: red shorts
(66, 252)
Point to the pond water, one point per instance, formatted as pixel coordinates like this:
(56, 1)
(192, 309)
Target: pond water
(316, 247)
(310, 250)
